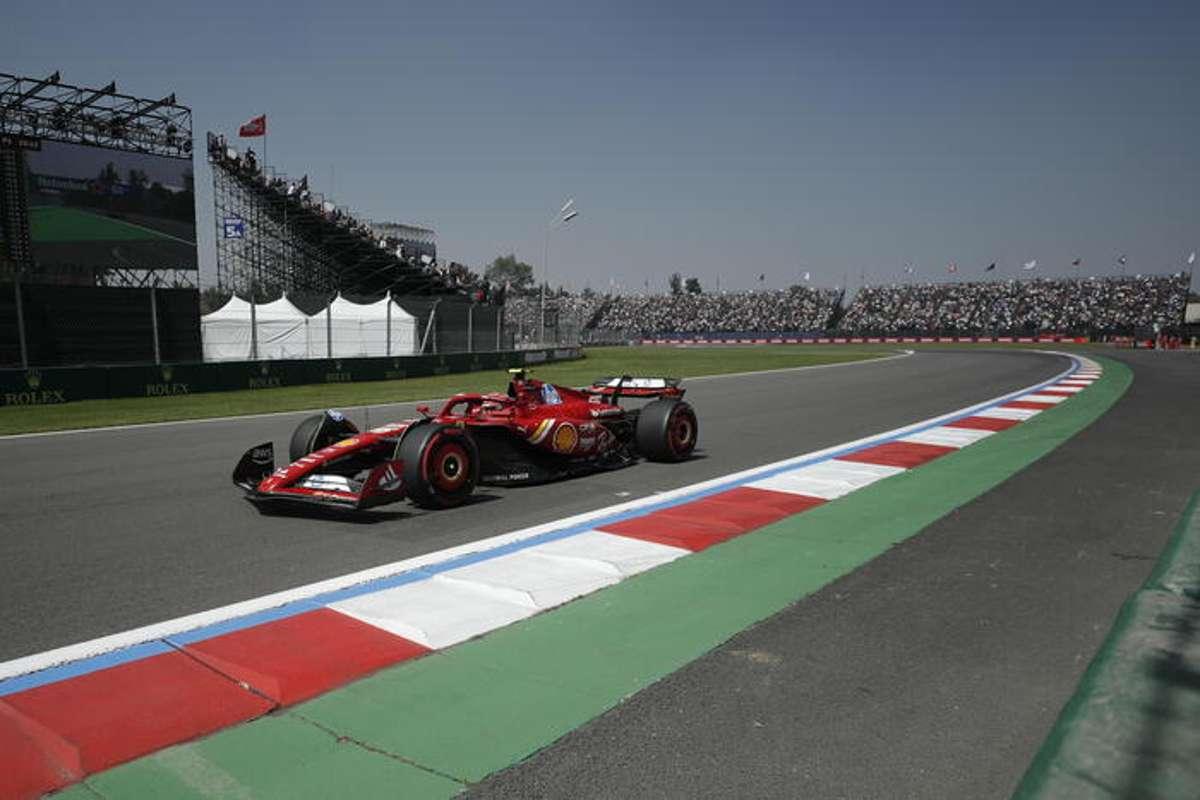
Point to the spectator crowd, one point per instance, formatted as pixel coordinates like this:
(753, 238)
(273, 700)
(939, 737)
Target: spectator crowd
(799, 309)
(1110, 305)
(1067, 305)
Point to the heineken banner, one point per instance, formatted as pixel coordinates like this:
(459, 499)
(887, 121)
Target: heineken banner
(20, 387)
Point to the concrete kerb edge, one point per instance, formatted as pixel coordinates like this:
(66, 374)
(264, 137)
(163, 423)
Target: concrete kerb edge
(1036, 781)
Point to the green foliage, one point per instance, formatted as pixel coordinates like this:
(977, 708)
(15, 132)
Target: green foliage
(692, 286)
(676, 283)
(507, 270)
(213, 298)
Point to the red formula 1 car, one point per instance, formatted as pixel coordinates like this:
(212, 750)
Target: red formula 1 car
(533, 433)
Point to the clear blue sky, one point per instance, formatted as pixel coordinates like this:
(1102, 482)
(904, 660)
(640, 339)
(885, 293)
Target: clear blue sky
(713, 139)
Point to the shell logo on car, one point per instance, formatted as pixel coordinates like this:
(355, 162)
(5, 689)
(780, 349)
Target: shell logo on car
(565, 438)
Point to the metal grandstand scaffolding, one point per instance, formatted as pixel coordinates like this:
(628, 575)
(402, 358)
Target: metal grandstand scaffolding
(48, 109)
(274, 234)
(259, 247)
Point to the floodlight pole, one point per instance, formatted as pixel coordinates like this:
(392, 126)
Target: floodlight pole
(564, 215)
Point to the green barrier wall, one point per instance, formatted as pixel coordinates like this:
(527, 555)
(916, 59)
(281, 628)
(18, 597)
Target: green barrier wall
(63, 384)
(1132, 729)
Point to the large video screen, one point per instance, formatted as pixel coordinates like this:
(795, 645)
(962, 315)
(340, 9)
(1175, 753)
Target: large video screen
(94, 207)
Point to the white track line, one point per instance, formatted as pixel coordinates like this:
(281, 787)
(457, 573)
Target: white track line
(268, 414)
(119, 641)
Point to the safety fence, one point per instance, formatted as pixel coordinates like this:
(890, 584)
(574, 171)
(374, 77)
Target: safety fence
(50, 385)
(55, 325)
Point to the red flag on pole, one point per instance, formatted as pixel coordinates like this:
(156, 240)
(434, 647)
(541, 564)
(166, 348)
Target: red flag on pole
(255, 127)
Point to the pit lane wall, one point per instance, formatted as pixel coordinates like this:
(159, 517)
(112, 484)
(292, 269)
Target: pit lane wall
(1131, 728)
(51, 385)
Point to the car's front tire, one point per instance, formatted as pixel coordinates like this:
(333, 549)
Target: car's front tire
(318, 431)
(441, 464)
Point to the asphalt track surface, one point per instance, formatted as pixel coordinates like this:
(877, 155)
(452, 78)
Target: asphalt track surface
(105, 531)
(934, 671)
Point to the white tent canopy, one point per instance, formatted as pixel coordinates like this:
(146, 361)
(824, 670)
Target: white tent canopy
(364, 329)
(226, 331)
(284, 331)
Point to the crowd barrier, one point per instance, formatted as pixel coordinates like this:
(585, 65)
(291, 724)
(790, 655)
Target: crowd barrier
(21, 387)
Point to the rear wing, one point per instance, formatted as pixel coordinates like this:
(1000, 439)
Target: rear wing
(613, 388)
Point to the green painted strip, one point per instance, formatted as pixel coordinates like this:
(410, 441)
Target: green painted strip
(1130, 728)
(483, 705)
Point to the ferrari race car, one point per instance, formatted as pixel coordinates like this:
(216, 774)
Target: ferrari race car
(534, 433)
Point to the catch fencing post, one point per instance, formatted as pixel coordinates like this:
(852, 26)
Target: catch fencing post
(470, 327)
(253, 328)
(389, 322)
(329, 329)
(21, 321)
(499, 322)
(154, 323)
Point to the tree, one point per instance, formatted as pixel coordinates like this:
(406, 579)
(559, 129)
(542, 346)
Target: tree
(676, 283)
(507, 270)
(692, 286)
(212, 298)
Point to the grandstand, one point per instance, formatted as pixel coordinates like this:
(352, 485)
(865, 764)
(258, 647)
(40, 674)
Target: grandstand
(1095, 307)
(274, 233)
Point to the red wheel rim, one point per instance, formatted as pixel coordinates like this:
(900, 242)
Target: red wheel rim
(683, 432)
(448, 467)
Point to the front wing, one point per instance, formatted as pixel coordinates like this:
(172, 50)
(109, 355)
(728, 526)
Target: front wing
(384, 484)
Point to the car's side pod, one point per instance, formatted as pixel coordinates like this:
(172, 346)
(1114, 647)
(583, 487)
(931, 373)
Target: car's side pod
(257, 463)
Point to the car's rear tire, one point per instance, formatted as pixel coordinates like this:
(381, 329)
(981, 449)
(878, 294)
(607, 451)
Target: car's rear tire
(317, 431)
(441, 464)
(666, 430)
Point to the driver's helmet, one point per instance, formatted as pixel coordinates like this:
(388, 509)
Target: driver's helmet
(550, 395)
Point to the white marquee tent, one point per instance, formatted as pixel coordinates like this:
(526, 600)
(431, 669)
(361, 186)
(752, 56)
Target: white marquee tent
(362, 329)
(285, 331)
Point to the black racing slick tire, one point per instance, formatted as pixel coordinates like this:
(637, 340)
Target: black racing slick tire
(441, 465)
(317, 431)
(666, 430)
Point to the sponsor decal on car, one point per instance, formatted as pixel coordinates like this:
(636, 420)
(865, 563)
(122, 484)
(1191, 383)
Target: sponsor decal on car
(565, 438)
(389, 428)
(511, 476)
(543, 428)
(390, 480)
(353, 440)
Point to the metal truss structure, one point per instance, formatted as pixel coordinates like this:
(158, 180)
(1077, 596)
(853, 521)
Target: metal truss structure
(259, 249)
(47, 108)
(274, 235)
(33, 110)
